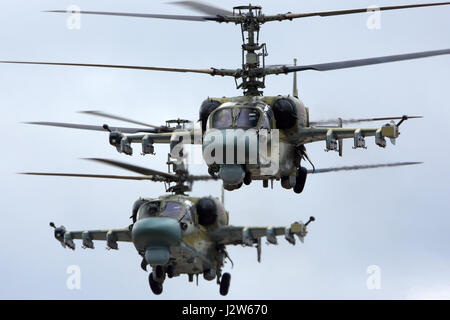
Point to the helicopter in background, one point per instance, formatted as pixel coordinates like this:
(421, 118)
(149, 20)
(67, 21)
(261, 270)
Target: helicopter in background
(252, 116)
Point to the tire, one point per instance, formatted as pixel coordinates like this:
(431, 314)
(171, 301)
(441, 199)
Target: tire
(300, 180)
(247, 179)
(170, 272)
(156, 287)
(225, 283)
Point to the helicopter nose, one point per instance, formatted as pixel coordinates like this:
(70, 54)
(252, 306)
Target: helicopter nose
(155, 236)
(230, 147)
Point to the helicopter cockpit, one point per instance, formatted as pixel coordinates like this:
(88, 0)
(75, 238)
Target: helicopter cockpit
(169, 209)
(241, 117)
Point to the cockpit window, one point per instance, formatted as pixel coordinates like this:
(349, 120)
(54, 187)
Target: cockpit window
(172, 209)
(247, 118)
(223, 119)
(149, 209)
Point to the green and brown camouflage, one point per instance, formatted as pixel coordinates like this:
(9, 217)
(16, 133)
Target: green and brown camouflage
(178, 234)
(174, 233)
(286, 116)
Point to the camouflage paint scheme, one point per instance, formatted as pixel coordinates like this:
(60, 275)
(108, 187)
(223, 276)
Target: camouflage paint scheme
(199, 250)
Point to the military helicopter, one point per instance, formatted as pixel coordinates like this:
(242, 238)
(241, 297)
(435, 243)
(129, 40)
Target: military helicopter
(176, 234)
(252, 118)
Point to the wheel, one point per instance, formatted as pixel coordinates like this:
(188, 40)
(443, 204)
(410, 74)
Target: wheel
(300, 180)
(225, 283)
(265, 183)
(170, 271)
(247, 178)
(156, 287)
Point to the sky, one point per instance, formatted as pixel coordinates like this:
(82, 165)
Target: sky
(396, 219)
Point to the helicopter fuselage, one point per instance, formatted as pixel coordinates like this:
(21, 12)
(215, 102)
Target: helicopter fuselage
(171, 233)
(253, 138)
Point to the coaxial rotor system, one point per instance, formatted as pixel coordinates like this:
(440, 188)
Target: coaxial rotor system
(250, 18)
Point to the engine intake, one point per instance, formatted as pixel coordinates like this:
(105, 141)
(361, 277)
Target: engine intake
(206, 211)
(137, 204)
(285, 113)
(206, 108)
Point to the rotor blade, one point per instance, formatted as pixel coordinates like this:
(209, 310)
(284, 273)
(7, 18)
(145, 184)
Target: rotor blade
(363, 62)
(104, 176)
(367, 166)
(134, 168)
(91, 127)
(348, 121)
(202, 7)
(206, 71)
(142, 15)
(201, 178)
(289, 16)
(210, 71)
(111, 116)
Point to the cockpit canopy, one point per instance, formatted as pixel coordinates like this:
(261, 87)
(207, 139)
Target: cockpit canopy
(243, 117)
(170, 209)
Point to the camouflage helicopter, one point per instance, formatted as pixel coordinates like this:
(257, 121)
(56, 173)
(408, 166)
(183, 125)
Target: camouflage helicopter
(177, 234)
(251, 118)
(174, 233)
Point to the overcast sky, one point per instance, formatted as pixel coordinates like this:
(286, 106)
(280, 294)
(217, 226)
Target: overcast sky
(394, 218)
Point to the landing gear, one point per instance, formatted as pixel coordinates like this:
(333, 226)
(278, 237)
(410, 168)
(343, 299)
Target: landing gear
(288, 182)
(300, 180)
(169, 272)
(265, 183)
(248, 178)
(156, 286)
(225, 283)
(159, 272)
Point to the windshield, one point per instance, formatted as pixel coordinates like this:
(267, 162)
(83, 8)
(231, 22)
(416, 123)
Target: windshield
(247, 118)
(149, 209)
(223, 119)
(172, 209)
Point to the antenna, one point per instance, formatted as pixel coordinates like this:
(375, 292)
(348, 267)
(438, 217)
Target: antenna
(295, 88)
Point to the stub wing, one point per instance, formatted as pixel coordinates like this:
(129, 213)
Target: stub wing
(111, 236)
(331, 135)
(248, 236)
